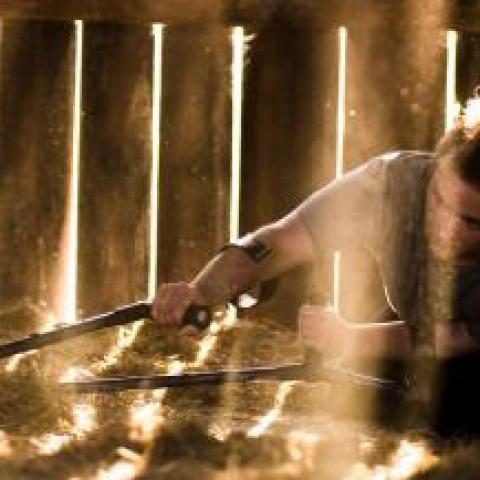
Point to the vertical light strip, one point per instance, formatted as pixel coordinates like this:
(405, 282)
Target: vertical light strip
(157, 32)
(70, 295)
(238, 42)
(450, 83)
(238, 46)
(342, 69)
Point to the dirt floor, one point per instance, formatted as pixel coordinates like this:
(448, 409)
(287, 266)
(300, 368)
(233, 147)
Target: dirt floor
(262, 430)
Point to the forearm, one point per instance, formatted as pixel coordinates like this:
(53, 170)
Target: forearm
(376, 340)
(233, 271)
(225, 276)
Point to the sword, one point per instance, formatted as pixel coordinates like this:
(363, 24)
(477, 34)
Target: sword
(197, 316)
(304, 371)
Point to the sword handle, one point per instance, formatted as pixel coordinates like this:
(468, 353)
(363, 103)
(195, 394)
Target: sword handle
(198, 316)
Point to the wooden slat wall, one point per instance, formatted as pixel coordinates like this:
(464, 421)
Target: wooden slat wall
(395, 87)
(195, 152)
(115, 165)
(35, 113)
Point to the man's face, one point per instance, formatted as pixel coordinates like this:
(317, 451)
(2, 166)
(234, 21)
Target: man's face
(452, 217)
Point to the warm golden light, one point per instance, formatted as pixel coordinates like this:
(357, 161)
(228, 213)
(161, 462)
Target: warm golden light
(207, 344)
(341, 98)
(272, 415)
(238, 46)
(121, 470)
(51, 443)
(83, 422)
(69, 297)
(451, 109)
(13, 363)
(238, 52)
(6, 449)
(125, 338)
(84, 419)
(302, 446)
(409, 459)
(339, 160)
(157, 32)
(146, 414)
(73, 374)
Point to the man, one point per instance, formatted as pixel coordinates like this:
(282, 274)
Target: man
(417, 214)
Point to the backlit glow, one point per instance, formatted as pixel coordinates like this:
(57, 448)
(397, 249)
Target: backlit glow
(272, 415)
(339, 160)
(157, 31)
(48, 321)
(409, 459)
(13, 362)
(125, 338)
(238, 52)
(121, 470)
(84, 419)
(451, 108)
(207, 344)
(51, 443)
(342, 70)
(6, 449)
(146, 414)
(69, 297)
(238, 48)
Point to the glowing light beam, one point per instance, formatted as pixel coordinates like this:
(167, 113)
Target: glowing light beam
(451, 105)
(272, 415)
(238, 49)
(69, 307)
(238, 53)
(157, 32)
(340, 141)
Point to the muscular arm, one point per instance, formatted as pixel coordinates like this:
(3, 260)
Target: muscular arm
(330, 218)
(233, 271)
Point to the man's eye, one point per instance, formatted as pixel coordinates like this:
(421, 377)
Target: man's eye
(472, 223)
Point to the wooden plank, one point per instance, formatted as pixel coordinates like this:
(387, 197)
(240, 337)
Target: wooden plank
(176, 11)
(35, 130)
(454, 14)
(289, 135)
(115, 166)
(196, 138)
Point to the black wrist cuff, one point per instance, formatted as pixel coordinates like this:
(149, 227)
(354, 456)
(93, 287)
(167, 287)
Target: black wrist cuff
(255, 249)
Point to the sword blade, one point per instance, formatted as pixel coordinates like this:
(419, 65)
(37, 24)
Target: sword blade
(288, 372)
(120, 316)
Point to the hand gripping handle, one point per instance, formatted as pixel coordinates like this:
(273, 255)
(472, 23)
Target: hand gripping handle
(198, 316)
